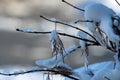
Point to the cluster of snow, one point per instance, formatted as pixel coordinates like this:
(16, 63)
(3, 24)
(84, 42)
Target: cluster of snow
(102, 20)
(50, 63)
(102, 24)
(103, 31)
(28, 29)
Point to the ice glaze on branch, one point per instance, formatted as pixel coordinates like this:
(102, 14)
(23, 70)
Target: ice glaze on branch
(63, 34)
(83, 21)
(72, 5)
(39, 70)
(69, 26)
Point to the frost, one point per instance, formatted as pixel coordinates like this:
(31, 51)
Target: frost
(50, 63)
(97, 71)
(35, 68)
(54, 35)
(102, 23)
(57, 45)
(53, 19)
(28, 30)
(84, 48)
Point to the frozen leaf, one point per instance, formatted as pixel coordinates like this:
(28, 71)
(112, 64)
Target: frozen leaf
(52, 62)
(56, 44)
(63, 68)
(105, 23)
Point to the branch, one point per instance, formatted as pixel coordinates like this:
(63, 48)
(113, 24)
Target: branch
(117, 2)
(75, 37)
(69, 26)
(63, 34)
(73, 5)
(83, 21)
(39, 70)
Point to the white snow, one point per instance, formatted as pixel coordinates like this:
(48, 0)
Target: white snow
(50, 63)
(83, 47)
(102, 15)
(53, 19)
(28, 29)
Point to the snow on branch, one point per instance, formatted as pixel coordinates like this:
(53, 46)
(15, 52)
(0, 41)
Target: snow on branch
(52, 62)
(72, 5)
(83, 21)
(40, 70)
(117, 2)
(63, 34)
(69, 26)
(56, 44)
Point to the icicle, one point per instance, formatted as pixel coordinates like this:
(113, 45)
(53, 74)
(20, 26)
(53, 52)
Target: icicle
(84, 48)
(48, 77)
(28, 29)
(50, 63)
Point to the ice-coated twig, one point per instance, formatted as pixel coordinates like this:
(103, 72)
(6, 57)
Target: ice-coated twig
(75, 37)
(52, 62)
(83, 21)
(56, 44)
(69, 26)
(117, 2)
(73, 5)
(38, 70)
(63, 34)
(107, 78)
(84, 48)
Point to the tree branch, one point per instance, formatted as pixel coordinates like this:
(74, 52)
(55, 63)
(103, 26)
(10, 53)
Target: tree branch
(117, 2)
(39, 70)
(69, 26)
(83, 21)
(63, 34)
(75, 37)
(72, 5)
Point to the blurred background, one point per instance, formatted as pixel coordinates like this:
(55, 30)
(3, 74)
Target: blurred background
(17, 48)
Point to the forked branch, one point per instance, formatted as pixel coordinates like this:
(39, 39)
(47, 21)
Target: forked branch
(63, 34)
(69, 26)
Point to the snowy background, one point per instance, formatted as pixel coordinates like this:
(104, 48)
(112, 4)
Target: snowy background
(23, 49)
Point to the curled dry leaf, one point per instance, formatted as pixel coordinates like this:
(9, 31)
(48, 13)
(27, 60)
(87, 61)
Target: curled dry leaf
(63, 70)
(56, 44)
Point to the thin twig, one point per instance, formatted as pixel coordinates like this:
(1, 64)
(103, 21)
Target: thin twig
(63, 34)
(69, 26)
(83, 21)
(117, 2)
(72, 5)
(75, 37)
(107, 78)
(39, 70)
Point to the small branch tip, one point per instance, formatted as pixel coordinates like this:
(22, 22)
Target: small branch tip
(41, 16)
(17, 29)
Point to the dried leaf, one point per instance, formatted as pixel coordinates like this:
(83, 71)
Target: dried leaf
(63, 70)
(57, 45)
